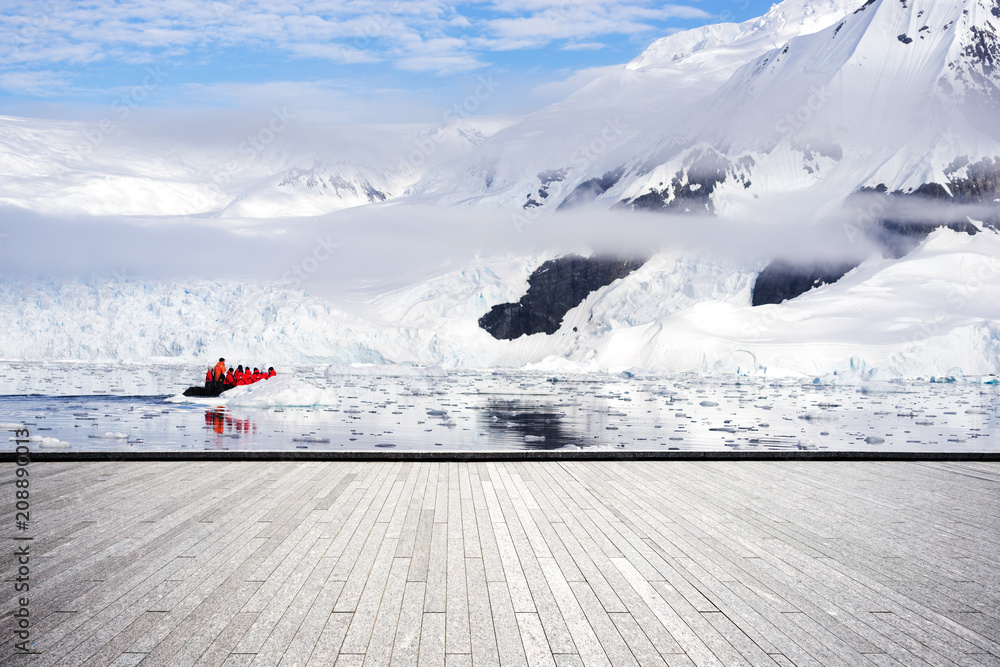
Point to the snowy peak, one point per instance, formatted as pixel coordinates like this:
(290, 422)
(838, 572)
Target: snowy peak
(591, 137)
(794, 18)
(684, 44)
(782, 22)
(890, 94)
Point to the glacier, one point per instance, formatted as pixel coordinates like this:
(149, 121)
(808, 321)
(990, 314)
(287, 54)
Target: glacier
(933, 312)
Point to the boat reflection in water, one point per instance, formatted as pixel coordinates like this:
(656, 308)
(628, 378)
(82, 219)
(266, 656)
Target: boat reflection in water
(224, 425)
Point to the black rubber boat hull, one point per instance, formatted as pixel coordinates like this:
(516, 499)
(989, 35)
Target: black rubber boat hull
(209, 392)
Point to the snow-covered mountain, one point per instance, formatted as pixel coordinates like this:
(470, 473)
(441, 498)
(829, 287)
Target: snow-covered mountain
(827, 97)
(897, 94)
(785, 117)
(586, 138)
(271, 169)
(934, 312)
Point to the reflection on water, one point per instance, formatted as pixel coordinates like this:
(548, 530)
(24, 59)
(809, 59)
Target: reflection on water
(224, 425)
(466, 411)
(537, 425)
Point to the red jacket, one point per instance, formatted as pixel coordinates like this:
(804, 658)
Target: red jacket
(229, 378)
(208, 376)
(257, 376)
(271, 373)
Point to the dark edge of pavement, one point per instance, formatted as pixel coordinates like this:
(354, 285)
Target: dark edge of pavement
(554, 455)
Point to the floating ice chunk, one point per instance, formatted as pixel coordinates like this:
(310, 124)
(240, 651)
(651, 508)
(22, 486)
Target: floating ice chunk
(311, 438)
(534, 438)
(110, 436)
(43, 442)
(280, 391)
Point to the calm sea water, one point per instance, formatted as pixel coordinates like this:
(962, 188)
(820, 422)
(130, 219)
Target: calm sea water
(114, 407)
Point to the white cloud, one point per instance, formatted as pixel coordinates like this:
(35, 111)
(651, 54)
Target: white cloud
(328, 101)
(416, 35)
(547, 21)
(38, 83)
(583, 46)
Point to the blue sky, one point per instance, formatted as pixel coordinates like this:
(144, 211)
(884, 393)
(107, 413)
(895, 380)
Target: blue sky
(337, 61)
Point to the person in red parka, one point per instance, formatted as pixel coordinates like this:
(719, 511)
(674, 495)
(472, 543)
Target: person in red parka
(238, 375)
(270, 372)
(255, 376)
(220, 370)
(209, 376)
(230, 380)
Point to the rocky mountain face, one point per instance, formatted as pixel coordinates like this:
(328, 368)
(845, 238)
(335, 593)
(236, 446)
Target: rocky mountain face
(782, 280)
(901, 221)
(888, 99)
(554, 288)
(815, 97)
(894, 93)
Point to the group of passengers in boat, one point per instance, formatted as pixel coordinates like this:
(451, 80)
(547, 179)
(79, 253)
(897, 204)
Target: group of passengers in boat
(219, 375)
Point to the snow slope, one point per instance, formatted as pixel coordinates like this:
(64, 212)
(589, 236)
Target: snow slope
(544, 156)
(891, 95)
(276, 169)
(823, 97)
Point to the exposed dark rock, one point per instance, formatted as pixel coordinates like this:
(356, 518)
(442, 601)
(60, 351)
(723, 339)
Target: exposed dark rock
(545, 178)
(553, 289)
(978, 70)
(904, 39)
(812, 148)
(781, 281)
(314, 179)
(898, 238)
(865, 6)
(654, 200)
(691, 188)
(978, 187)
(590, 190)
(894, 231)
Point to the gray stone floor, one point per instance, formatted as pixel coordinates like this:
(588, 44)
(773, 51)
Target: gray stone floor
(513, 563)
